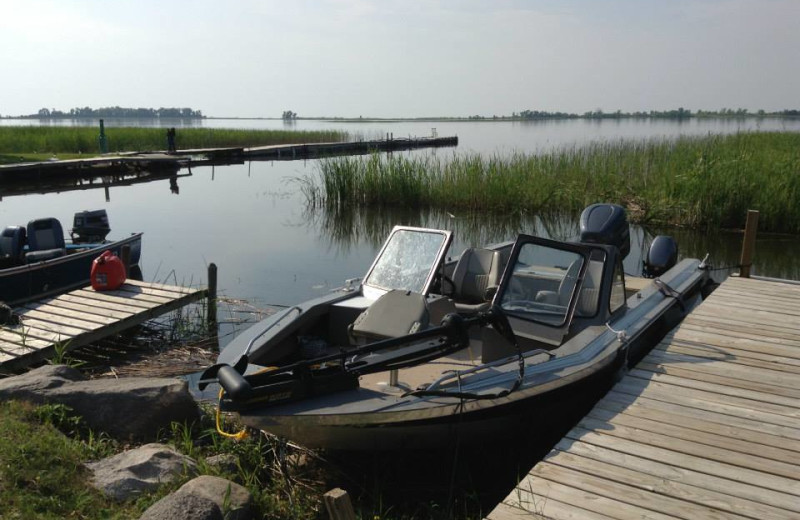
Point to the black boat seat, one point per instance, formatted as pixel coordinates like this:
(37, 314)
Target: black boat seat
(476, 271)
(396, 313)
(12, 243)
(45, 240)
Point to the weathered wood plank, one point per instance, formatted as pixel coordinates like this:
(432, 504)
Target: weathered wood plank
(631, 495)
(688, 461)
(668, 472)
(701, 496)
(730, 388)
(84, 316)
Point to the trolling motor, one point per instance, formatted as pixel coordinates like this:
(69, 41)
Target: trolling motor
(90, 226)
(336, 372)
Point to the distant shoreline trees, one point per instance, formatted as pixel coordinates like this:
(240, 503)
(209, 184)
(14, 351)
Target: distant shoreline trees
(679, 113)
(117, 112)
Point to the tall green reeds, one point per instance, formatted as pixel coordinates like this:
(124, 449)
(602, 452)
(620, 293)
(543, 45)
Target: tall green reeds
(74, 139)
(693, 181)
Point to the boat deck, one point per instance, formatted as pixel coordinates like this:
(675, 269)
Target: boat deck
(83, 316)
(706, 426)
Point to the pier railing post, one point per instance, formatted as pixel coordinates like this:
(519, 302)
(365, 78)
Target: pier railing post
(212, 298)
(749, 243)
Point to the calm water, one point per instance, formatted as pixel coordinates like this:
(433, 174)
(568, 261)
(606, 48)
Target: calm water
(251, 220)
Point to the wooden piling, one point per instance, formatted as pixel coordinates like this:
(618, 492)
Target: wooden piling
(338, 504)
(212, 297)
(125, 256)
(749, 243)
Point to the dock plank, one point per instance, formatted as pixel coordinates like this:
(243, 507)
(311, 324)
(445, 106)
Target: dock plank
(84, 316)
(706, 426)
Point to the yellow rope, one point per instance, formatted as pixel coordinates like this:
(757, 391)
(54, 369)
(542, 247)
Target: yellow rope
(235, 436)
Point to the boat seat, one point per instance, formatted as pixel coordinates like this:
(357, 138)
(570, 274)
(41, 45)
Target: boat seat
(45, 240)
(394, 314)
(476, 271)
(565, 287)
(12, 244)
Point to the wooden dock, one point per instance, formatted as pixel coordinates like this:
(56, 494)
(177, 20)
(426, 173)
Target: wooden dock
(83, 316)
(706, 426)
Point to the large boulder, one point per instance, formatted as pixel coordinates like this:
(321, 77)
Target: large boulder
(33, 385)
(128, 408)
(135, 471)
(183, 507)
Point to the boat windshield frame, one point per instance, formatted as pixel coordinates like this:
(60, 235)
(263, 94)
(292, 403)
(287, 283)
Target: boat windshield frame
(408, 260)
(546, 292)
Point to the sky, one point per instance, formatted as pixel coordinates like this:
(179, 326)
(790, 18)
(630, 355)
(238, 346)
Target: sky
(399, 58)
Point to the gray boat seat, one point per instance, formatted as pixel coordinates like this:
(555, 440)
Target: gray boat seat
(565, 287)
(394, 314)
(45, 240)
(476, 271)
(12, 244)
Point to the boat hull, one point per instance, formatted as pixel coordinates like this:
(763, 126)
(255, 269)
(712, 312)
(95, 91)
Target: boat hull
(40, 279)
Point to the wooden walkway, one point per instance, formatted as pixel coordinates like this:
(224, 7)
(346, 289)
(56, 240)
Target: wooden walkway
(83, 316)
(706, 426)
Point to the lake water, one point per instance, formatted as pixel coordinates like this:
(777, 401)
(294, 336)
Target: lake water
(251, 220)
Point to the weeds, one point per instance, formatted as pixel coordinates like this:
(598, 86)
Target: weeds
(703, 182)
(15, 140)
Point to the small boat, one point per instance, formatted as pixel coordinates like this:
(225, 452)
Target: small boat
(485, 344)
(37, 261)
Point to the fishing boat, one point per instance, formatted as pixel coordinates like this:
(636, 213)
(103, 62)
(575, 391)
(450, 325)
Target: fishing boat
(483, 345)
(37, 260)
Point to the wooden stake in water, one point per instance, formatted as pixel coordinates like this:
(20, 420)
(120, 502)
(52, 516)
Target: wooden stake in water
(749, 243)
(212, 297)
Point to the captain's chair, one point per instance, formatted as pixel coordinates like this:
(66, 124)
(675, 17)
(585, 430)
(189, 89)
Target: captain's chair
(476, 271)
(12, 242)
(45, 240)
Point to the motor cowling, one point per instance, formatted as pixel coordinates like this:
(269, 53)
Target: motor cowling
(90, 226)
(661, 256)
(108, 272)
(606, 224)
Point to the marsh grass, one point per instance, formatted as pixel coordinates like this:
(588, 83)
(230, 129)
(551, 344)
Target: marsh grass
(84, 140)
(700, 182)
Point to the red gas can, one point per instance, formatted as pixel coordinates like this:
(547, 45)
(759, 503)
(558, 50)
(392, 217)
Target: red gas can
(108, 272)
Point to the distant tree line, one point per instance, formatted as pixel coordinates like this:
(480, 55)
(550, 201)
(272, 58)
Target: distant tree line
(679, 113)
(117, 112)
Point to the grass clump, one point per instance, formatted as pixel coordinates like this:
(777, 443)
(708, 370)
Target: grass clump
(41, 469)
(16, 140)
(698, 182)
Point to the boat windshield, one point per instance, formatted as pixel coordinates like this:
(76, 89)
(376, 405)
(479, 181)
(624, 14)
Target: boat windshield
(408, 260)
(542, 284)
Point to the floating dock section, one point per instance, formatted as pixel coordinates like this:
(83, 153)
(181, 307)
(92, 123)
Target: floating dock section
(161, 161)
(706, 426)
(83, 316)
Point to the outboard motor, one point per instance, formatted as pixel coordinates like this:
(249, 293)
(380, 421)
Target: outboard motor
(606, 224)
(90, 226)
(661, 256)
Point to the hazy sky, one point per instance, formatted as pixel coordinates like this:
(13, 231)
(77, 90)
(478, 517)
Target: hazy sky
(405, 58)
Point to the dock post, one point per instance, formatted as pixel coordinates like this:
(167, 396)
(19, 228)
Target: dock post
(338, 504)
(125, 256)
(212, 297)
(749, 243)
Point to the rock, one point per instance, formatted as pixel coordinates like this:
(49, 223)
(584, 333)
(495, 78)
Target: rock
(142, 469)
(234, 501)
(225, 462)
(34, 385)
(183, 507)
(130, 407)
(127, 408)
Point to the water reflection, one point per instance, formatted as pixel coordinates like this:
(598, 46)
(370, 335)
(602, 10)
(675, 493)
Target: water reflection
(343, 229)
(88, 181)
